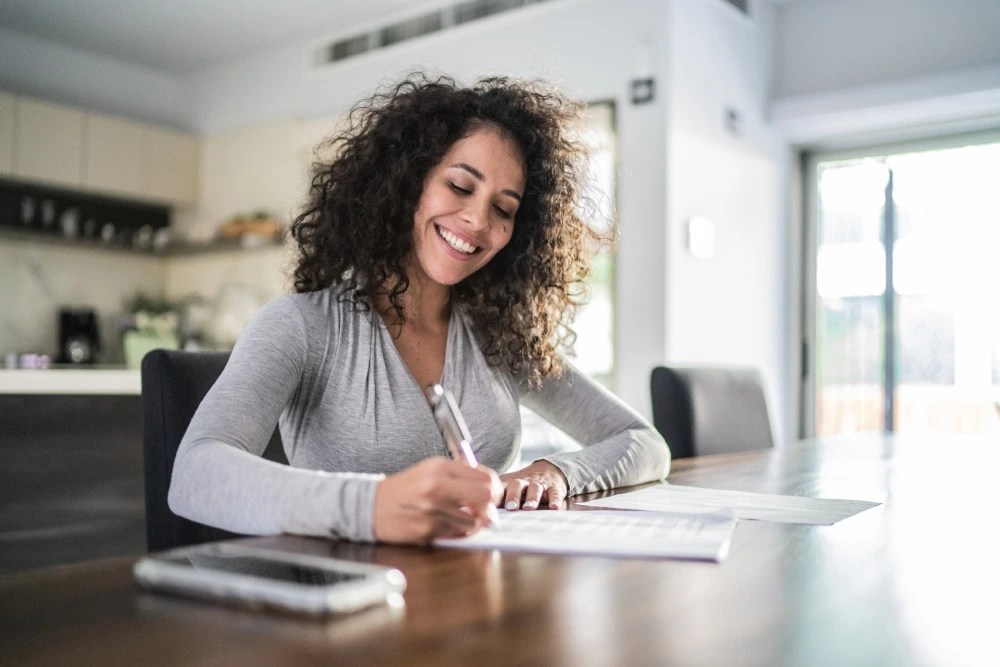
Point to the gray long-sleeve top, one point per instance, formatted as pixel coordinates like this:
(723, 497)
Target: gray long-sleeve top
(349, 413)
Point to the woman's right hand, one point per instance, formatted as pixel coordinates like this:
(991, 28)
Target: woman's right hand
(437, 497)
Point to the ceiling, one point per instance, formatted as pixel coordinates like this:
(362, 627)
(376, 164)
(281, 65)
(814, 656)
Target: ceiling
(179, 36)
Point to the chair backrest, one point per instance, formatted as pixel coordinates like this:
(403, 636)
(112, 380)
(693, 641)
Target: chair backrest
(710, 409)
(173, 386)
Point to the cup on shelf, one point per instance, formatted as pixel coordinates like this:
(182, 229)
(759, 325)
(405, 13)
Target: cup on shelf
(47, 212)
(143, 238)
(90, 228)
(69, 222)
(28, 210)
(161, 238)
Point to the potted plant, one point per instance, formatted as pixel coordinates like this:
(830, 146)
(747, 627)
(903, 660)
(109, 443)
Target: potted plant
(153, 325)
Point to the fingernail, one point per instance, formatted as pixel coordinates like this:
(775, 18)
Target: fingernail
(532, 504)
(511, 505)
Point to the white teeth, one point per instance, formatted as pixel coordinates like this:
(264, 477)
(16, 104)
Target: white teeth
(455, 242)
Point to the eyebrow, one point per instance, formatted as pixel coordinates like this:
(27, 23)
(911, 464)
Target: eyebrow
(479, 176)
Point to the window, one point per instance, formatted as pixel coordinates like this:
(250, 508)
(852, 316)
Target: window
(907, 320)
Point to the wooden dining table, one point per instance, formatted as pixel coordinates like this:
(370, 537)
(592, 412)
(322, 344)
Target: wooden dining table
(913, 581)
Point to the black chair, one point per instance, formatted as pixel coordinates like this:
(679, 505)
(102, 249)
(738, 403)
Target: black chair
(710, 409)
(173, 386)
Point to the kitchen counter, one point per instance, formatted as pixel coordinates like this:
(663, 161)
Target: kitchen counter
(106, 380)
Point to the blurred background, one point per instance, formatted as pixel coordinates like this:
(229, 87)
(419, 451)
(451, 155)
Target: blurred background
(803, 186)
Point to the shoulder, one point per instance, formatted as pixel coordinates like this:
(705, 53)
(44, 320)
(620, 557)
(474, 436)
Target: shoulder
(326, 306)
(300, 325)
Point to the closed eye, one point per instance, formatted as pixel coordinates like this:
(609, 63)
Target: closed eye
(504, 213)
(459, 189)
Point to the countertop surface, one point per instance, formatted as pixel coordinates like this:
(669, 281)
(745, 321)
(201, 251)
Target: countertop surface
(84, 380)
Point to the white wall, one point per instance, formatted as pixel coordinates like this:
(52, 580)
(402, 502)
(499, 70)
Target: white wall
(39, 68)
(729, 308)
(835, 44)
(852, 72)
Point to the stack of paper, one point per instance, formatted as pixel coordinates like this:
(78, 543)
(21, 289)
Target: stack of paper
(678, 522)
(743, 505)
(606, 533)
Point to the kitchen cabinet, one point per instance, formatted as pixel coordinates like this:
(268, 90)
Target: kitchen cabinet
(53, 145)
(140, 161)
(48, 143)
(172, 166)
(6, 134)
(71, 478)
(114, 160)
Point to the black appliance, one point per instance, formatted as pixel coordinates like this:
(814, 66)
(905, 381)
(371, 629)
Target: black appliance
(79, 341)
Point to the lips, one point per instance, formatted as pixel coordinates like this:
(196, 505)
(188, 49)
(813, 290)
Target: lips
(459, 245)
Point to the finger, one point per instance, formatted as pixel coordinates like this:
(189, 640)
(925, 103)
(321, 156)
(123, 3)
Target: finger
(477, 497)
(496, 488)
(481, 475)
(441, 522)
(555, 498)
(533, 495)
(444, 490)
(513, 493)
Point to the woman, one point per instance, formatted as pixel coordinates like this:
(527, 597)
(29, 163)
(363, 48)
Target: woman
(443, 244)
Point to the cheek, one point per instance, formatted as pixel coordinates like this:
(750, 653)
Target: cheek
(505, 232)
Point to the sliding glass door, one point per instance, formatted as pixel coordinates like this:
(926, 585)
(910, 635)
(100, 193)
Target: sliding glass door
(905, 334)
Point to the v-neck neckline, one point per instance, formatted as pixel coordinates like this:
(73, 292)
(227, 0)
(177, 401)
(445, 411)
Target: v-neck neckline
(399, 357)
(428, 411)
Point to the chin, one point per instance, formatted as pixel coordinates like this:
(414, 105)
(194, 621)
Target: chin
(447, 278)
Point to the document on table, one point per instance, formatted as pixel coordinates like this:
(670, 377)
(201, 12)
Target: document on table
(606, 533)
(744, 505)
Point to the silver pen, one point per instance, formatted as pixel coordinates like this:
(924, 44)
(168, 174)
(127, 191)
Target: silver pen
(457, 438)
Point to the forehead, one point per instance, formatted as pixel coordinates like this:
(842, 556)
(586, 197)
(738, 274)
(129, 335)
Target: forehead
(491, 152)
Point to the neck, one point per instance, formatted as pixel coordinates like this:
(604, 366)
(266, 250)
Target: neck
(425, 306)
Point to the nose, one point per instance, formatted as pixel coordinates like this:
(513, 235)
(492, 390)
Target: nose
(477, 214)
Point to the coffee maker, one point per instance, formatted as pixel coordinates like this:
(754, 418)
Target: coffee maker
(79, 341)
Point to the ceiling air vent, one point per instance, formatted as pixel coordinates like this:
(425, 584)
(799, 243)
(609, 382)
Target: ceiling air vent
(418, 26)
(347, 48)
(742, 5)
(480, 9)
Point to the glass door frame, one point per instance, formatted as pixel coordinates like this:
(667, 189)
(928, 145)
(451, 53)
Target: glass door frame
(809, 162)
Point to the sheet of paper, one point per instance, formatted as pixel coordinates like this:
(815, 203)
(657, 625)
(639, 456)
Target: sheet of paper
(744, 505)
(606, 533)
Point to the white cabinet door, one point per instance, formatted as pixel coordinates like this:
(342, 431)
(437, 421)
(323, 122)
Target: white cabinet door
(113, 160)
(48, 143)
(172, 166)
(6, 134)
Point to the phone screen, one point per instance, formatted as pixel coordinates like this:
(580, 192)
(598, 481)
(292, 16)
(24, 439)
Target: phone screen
(264, 568)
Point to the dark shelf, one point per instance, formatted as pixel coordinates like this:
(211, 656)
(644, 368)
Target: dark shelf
(171, 249)
(31, 213)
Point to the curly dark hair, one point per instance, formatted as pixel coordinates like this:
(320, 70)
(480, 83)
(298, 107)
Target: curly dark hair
(356, 227)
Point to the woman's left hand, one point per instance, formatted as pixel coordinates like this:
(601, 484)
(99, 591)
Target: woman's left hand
(540, 484)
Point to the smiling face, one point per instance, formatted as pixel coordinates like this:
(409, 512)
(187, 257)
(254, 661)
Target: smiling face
(465, 215)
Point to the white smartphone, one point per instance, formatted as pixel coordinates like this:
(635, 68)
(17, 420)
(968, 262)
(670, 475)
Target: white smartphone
(261, 579)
